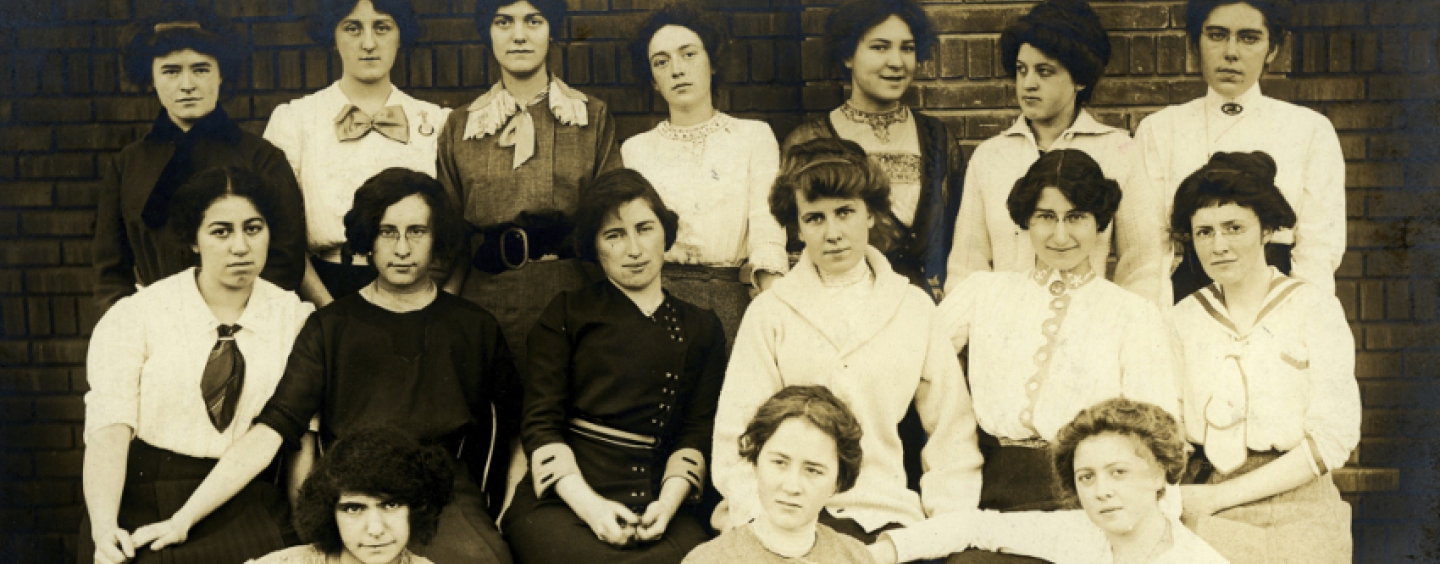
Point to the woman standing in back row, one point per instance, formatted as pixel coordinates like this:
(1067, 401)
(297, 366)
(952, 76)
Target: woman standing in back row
(339, 137)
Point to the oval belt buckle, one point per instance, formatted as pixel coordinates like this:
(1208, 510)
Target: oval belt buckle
(524, 246)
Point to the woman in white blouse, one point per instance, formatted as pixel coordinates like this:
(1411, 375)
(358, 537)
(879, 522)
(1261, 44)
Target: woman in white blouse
(1116, 458)
(713, 169)
(1269, 385)
(156, 421)
(339, 137)
(1235, 41)
(1057, 54)
(1050, 341)
(843, 319)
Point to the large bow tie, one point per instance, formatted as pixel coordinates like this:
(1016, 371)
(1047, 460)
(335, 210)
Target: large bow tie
(352, 123)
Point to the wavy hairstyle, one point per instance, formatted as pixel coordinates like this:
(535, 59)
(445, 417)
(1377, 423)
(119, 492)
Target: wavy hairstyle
(691, 16)
(362, 223)
(849, 22)
(815, 405)
(382, 462)
(193, 198)
(1077, 176)
(1068, 31)
(320, 25)
(829, 167)
(1153, 427)
(181, 26)
(607, 192)
(1244, 179)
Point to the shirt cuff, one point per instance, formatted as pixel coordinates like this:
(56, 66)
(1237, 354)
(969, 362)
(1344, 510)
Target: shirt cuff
(689, 465)
(921, 542)
(550, 463)
(1312, 454)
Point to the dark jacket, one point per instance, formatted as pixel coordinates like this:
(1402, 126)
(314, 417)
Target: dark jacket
(923, 254)
(132, 243)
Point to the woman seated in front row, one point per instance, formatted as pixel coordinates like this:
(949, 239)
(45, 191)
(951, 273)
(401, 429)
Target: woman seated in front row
(374, 493)
(805, 446)
(844, 320)
(620, 396)
(1116, 457)
(1048, 342)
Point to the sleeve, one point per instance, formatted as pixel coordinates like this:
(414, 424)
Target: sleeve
(951, 456)
(1332, 418)
(281, 131)
(1142, 235)
(957, 311)
(501, 381)
(1013, 533)
(119, 347)
(289, 245)
(1147, 362)
(301, 390)
(970, 251)
(688, 460)
(110, 252)
(751, 378)
(547, 385)
(765, 238)
(447, 170)
(955, 183)
(607, 151)
(1320, 227)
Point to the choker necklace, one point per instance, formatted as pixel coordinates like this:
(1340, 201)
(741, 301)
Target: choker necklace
(859, 273)
(879, 122)
(692, 137)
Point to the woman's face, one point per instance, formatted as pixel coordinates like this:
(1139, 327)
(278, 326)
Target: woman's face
(1118, 480)
(1229, 241)
(680, 66)
(374, 530)
(232, 242)
(1235, 46)
(520, 38)
(188, 84)
(796, 472)
(1044, 86)
(403, 245)
(883, 65)
(631, 246)
(1061, 235)
(368, 42)
(836, 231)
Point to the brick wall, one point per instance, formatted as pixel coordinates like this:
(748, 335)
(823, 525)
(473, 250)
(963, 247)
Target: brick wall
(1369, 66)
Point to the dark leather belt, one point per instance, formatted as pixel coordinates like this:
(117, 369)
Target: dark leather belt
(511, 247)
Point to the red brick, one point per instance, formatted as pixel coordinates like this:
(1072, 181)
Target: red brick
(279, 33)
(1392, 52)
(1367, 51)
(58, 223)
(422, 68)
(1421, 56)
(765, 98)
(1372, 365)
(14, 466)
(1171, 51)
(14, 352)
(1142, 55)
(63, 315)
(59, 281)
(762, 61)
(15, 380)
(16, 409)
(974, 18)
(763, 24)
(1328, 15)
(474, 59)
(53, 110)
(288, 67)
(447, 66)
(1392, 87)
(97, 136)
(38, 318)
(127, 109)
(1426, 294)
(1376, 234)
(1312, 51)
(52, 37)
(60, 408)
(964, 95)
(36, 437)
(787, 60)
(1372, 305)
(12, 312)
(30, 252)
(608, 26)
(1119, 91)
(65, 165)
(1376, 175)
(1397, 300)
(60, 351)
(981, 59)
(58, 519)
(27, 194)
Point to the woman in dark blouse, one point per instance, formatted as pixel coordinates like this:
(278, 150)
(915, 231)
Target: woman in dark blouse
(620, 396)
(401, 352)
(185, 55)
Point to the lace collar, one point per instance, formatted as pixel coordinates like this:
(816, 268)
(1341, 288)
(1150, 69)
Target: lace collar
(1060, 281)
(498, 111)
(693, 133)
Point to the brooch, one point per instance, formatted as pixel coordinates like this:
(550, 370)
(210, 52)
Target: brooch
(1232, 109)
(425, 128)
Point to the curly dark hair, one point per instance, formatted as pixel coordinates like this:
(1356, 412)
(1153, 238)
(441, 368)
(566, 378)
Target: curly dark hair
(1244, 179)
(607, 192)
(691, 16)
(383, 462)
(1276, 12)
(1153, 427)
(830, 167)
(849, 22)
(1068, 31)
(181, 26)
(553, 10)
(1077, 176)
(362, 223)
(193, 198)
(320, 25)
(818, 406)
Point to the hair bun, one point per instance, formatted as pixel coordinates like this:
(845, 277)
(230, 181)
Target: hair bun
(1255, 163)
(1068, 17)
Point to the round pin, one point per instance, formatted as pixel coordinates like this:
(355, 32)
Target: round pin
(1232, 109)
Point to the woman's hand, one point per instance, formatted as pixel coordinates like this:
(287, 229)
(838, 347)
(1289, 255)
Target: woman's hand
(1196, 502)
(656, 518)
(613, 523)
(113, 545)
(165, 533)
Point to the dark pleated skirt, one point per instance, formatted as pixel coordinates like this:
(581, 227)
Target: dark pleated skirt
(548, 532)
(466, 533)
(158, 482)
(1014, 478)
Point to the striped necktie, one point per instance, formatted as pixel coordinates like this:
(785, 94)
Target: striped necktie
(223, 378)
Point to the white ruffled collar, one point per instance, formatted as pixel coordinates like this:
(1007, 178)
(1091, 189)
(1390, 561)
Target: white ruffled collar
(498, 111)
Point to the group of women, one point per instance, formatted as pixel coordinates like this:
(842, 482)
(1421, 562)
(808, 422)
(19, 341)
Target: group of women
(534, 345)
